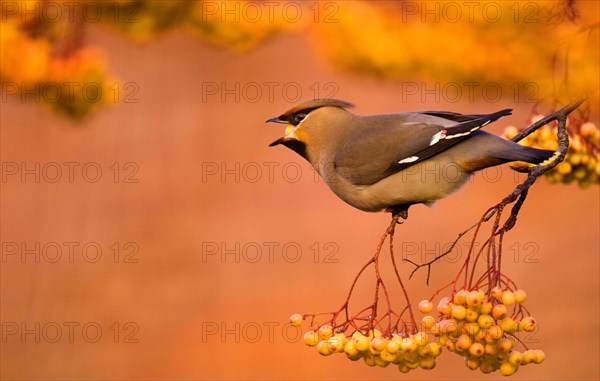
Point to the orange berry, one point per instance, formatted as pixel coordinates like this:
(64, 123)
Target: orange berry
(463, 342)
(528, 324)
(296, 320)
(425, 306)
(499, 311)
(486, 308)
(494, 333)
(477, 349)
(311, 338)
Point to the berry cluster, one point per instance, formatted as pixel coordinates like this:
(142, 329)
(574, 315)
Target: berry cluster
(407, 351)
(581, 163)
(480, 329)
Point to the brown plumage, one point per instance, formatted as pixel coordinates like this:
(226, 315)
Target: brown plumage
(389, 162)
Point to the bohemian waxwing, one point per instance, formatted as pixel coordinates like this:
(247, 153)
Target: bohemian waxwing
(389, 162)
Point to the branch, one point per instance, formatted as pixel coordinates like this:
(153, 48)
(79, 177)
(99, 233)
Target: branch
(520, 192)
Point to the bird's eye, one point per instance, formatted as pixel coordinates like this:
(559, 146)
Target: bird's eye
(300, 117)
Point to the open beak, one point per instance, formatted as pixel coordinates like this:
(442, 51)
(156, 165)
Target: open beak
(288, 130)
(279, 141)
(276, 120)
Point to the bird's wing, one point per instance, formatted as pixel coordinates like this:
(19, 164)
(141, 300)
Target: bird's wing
(390, 145)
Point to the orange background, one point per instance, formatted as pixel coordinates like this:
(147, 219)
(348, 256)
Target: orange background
(176, 291)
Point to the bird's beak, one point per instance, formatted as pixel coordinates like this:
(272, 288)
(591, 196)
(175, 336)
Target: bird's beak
(276, 120)
(279, 141)
(288, 131)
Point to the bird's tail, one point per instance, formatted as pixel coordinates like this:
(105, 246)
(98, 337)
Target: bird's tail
(530, 155)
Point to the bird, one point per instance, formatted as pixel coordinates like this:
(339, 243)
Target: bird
(390, 162)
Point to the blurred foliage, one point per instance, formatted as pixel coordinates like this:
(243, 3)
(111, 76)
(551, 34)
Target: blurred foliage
(551, 44)
(582, 162)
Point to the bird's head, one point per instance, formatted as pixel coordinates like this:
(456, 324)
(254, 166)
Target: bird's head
(311, 122)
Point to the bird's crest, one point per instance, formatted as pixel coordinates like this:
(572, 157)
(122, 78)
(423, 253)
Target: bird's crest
(317, 103)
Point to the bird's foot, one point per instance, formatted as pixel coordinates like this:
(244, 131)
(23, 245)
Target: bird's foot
(398, 211)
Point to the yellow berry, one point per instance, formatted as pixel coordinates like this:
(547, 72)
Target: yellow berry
(461, 297)
(491, 349)
(485, 321)
(520, 296)
(337, 342)
(508, 298)
(428, 322)
(539, 356)
(528, 324)
(471, 315)
(374, 333)
(494, 333)
(505, 345)
(325, 331)
(408, 344)
(351, 350)
(448, 326)
(425, 306)
(471, 328)
(387, 356)
(506, 369)
(486, 308)
(486, 367)
(379, 343)
(436, 349)
(472, 364)
(459, 312)
(311, 338)
(508, 325)
(424, 351)
(362, 343)
(370, 359)
(588, 129)
(480, 335)
(509, 132)
(444, 306)
(427, 362)
(421, 339)
(463, 342)
(497, 292)
(477, 349)
(323, 348)
(564, 168)
(528, 357)
(475, 298)
(515, 358)
(410, 356)
(380, 362)
(393, 345)
(403, 368)
(296, 320)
